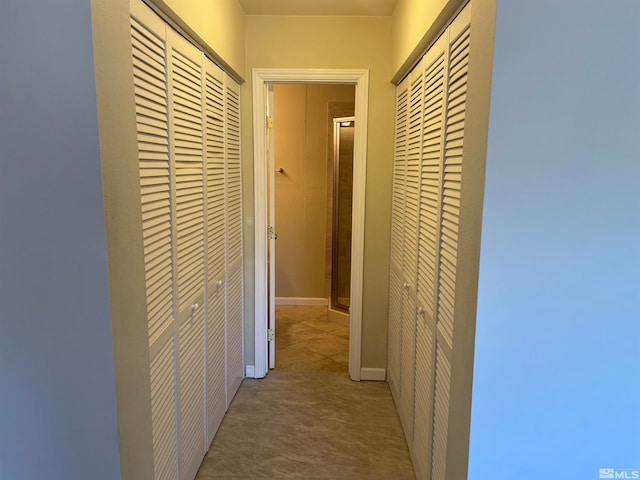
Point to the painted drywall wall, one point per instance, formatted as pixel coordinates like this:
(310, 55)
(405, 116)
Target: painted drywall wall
(333, 42)
(219, 24)
(557, 365)
(415, 25)
(301, 133)
(57, 389)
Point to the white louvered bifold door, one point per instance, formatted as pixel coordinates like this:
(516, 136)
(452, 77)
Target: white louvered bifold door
(409, 262)
(234, 296)
(152, 124)
(188, 131)
(215, 246)
(185, 94)
(397, 238)
(456, 94)
(428, 168)
(434, 72)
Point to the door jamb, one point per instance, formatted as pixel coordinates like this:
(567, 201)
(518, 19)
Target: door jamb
(359, 78)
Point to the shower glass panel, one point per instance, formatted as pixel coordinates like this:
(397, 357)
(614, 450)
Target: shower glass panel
(343, 129)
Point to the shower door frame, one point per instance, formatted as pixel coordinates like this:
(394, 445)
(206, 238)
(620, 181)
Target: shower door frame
(262, 77)
(334, 300)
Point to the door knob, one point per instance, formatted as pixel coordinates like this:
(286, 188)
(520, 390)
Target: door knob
(405, 285)
(421, 311)
(219, 283)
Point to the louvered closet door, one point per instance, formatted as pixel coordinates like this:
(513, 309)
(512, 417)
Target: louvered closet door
(185, 94)
(152, 124)
(456, 94)
(409, 263)
(215, 247)
(234, 297)
(431, 178)
(397, 238)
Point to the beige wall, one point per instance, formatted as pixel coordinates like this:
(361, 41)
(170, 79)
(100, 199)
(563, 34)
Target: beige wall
(217, 24)
(301, 149)
(334, 42)
(415, 25)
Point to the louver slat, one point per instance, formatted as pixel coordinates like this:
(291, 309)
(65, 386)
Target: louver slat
(431, 164)
(216, 381)
(450, 215)
(187, 154)
(216, 403)
(430, 189)
(149, 62)
(163, 412)
(191, 443)
(156, 214)
(235, 367)
(458, 51)
(409, 264)
(215, 175)
(441, 415)
(189, 176)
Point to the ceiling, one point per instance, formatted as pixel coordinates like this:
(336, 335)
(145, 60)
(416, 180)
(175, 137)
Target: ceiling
(319, 7)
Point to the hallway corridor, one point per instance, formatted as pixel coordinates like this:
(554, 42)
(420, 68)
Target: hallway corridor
(307, 419)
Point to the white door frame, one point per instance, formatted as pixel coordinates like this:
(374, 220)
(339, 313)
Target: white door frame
(261, 77)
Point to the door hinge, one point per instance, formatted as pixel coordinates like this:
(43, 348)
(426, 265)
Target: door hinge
(271, 234)
(269, 122)
(271, 335)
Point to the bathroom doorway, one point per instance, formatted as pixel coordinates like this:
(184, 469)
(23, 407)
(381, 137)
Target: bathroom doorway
(311, 216)
(307, 207)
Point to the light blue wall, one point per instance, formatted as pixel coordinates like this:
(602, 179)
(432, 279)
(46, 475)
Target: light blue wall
(57, 393)
(557, 369)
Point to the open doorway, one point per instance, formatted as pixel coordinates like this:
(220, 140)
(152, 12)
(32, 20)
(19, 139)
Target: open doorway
(264, 231)
(312, 149)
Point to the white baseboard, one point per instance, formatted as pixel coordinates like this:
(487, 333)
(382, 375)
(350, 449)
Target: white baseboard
(317, 302)
(376, 374)
(250, 371)
(339, 317)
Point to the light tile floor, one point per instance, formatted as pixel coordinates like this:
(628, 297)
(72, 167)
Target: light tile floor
(307, 419)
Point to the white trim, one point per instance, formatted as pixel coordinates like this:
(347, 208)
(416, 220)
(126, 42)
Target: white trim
(315, 302)
(249, 371)
(359, 78)
(375, 374)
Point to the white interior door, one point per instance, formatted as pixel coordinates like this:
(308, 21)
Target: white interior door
(271, 322)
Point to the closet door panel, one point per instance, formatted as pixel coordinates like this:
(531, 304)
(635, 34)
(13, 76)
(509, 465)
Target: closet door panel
(452, 170)
(191, 441)
(215, 247)
(215, 173)
(397, 239)
(234, 299)
(452, 176)
(216, 382)
(431, 179)
(149, 57)
(155, 182)
(186, 110)
(163, 413)
(410, 253)
(235, 364)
